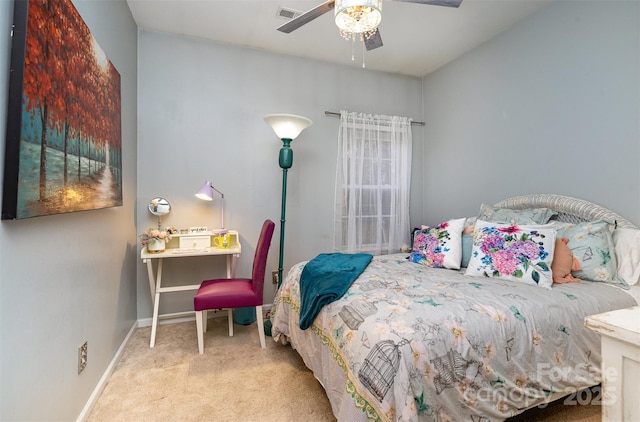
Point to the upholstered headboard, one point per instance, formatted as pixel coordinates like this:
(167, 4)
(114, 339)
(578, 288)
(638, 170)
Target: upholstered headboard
(569, 209)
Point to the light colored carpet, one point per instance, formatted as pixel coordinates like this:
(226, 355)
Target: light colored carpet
(234, 380)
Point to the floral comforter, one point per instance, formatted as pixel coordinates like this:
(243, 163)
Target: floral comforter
(415, 343)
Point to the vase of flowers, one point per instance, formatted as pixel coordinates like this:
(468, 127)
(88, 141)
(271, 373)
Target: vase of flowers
(155, 240)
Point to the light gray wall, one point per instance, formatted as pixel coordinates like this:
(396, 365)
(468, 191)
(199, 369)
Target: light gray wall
(552, 105)
(201, 108)
(69, 278)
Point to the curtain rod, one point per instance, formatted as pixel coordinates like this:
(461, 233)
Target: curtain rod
(333, 113)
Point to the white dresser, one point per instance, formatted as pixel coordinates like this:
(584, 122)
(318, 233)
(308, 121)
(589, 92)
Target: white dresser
(620, 333)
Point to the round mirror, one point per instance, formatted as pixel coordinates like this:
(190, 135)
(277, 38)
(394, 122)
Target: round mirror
(159, 206)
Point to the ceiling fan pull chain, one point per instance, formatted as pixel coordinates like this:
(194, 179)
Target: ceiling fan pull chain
(353, 47)
(363, 51)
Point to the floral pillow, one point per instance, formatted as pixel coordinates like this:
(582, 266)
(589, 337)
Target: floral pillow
(592, 244)
(439, 246)
(509, 216)
(512, 252)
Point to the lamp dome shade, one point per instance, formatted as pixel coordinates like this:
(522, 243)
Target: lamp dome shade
(287, 126)
(205, 192)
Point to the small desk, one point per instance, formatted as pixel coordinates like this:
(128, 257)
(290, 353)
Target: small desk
(620, 333)
(174, 251)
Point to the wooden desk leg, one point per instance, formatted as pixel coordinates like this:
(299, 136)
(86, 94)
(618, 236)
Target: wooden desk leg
(156, 305)
(152, 278)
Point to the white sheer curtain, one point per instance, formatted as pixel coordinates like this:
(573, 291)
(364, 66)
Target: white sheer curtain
(373, 176)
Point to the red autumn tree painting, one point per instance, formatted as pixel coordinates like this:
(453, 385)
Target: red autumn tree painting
(70, 135)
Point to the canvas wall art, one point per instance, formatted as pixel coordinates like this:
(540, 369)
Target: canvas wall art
(63, 142)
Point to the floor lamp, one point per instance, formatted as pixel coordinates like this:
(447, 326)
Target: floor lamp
(287, 127)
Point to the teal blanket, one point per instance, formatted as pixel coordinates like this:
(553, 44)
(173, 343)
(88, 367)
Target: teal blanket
(325, 279)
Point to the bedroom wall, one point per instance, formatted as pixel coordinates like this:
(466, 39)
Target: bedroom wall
(551, 105)
(201, 108)
(57, 287)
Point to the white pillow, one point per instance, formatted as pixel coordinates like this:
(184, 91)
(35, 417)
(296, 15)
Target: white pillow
(521, 253)
(626, 243)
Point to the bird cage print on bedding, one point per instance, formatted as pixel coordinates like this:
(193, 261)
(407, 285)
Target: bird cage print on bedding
(380, 367)
(353, 315)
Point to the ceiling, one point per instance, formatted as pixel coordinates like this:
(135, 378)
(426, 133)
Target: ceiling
(417, 38)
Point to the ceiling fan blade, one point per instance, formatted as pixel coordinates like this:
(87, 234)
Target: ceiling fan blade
(373, 41)
(447, 3)
(307, 16)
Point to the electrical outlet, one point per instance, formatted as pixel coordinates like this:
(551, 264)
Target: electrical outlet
(82, 357)
(274, 277)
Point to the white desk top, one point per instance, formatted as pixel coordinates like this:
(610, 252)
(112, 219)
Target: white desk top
(622, 324)
(173, 249)
(177, 252)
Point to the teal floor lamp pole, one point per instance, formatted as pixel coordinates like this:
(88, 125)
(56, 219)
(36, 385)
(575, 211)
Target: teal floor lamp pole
(285, 160)
(287, 127)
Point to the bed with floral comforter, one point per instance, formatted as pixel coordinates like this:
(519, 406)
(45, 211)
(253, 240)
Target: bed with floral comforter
(409, 343)
(417, 343)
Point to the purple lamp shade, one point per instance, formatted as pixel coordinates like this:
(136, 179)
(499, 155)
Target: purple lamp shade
(206, 191)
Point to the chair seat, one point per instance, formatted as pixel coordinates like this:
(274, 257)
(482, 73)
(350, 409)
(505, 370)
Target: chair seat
(226, 293)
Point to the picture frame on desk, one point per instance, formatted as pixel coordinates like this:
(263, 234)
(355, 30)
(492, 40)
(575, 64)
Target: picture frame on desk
(198, 230)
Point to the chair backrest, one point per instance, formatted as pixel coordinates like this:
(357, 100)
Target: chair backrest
(260, 257)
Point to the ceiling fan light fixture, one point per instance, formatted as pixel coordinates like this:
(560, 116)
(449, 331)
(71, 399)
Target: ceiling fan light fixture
(358, 17)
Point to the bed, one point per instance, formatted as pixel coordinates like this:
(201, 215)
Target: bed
(409, 341)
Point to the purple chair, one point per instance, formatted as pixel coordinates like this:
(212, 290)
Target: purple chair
(229, 293)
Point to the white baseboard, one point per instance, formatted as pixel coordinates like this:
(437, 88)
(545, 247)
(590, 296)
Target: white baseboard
(93, 398)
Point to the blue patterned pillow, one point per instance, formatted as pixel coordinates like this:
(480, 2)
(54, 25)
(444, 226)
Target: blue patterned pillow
(511, 252)
(592, 244)
(509, 216)
(439, 246)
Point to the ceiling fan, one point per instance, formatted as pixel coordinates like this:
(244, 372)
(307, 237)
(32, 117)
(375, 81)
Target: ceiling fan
(356, 17)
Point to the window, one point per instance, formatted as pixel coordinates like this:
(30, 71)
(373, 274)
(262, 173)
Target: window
(373, 176)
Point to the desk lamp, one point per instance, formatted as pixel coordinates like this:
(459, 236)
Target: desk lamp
(287, 127)
(206, 194)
